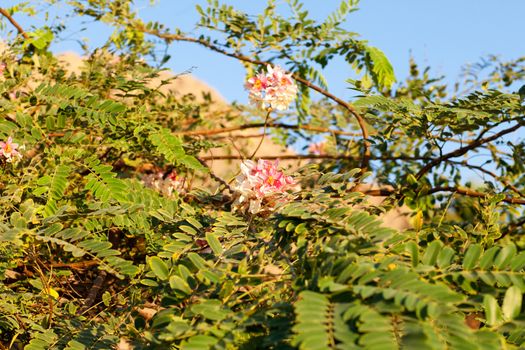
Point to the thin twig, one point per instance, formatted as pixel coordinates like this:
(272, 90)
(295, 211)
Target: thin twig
(490, 173)
(15, 24)
(463, 191)
(261, 125)
(214, 176)
(81, 265)
(230, 137)
(463, 150)
(506, 230)
(264, 135)
(312, 156)
(472, 193)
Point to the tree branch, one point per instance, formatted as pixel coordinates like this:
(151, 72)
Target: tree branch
(472, 193)
(216, 177)
(15, 24)
(512, 226)
(309, 156)
(463, 191)
(97, 285)
(81, 265)
(490, 173)
(462, 150)
(261, 125)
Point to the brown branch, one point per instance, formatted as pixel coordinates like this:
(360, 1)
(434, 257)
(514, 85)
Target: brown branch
(81, 265)
(261, 125)
(247, 126)
(463, 150)
(214, 176)
(490, 173)
(93, 292)
(56, 134)
(250, 136)
(14, 23)
(168, 37)
(510, 227)
(472, 193)
(463, 191)
(376, 192)
(309, 156)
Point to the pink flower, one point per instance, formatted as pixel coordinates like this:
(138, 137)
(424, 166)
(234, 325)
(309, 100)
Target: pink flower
(9, 151)
(166, 185)
(262, 182)
(257, 84)
(276, 89)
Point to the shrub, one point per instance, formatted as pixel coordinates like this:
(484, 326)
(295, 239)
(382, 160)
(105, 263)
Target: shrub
(112, 232)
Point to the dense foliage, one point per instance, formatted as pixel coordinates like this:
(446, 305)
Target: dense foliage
(94, 253)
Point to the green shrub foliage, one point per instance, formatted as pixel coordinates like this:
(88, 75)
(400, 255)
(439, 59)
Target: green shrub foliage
(92, 255)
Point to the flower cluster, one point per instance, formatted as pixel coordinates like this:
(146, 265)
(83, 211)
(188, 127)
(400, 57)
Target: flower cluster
(275, 89)
(261, 183)
(166, 185)
(9, 150)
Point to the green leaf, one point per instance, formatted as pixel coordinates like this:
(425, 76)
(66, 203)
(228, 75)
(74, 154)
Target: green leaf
(521, 92)
(445, 257)
(199, 342)
(314, 321)
(488, 258)
(106, 298)
(197, 260)
(178, 283)
(159, 267)
(40, 38)
(505, 256)
(191, 162)
(431, 253)
(471, 256)
(512, 303)
(210, 309)
(381, 69)
(214, 243)
(170, 146)
(493, 314)
(412, 248)
(518, 263)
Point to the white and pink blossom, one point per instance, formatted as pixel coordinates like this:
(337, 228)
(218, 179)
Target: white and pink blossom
(261, 186)
(276, 89)
(166, 185)
(9, 150)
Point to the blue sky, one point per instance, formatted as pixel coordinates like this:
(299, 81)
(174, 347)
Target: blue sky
(443, 34)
